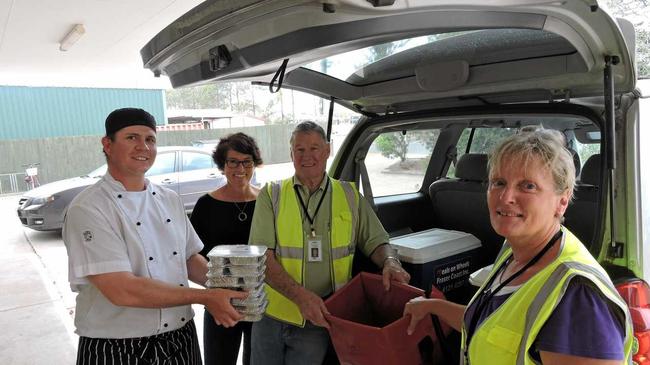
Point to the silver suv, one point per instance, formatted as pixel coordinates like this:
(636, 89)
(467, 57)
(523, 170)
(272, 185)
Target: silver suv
(437, 83)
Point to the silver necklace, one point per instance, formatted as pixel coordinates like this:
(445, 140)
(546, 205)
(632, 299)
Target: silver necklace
(242, 216)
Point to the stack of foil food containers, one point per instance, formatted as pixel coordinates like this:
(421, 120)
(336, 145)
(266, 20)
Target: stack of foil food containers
(240, 267)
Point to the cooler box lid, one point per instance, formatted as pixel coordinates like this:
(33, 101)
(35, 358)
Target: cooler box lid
(433, 244)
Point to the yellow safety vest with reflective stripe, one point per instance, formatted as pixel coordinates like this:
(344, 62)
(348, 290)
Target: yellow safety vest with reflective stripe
(289, 250)
(507, 334)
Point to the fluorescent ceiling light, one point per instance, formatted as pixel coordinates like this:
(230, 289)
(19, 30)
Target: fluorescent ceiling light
(72, 37)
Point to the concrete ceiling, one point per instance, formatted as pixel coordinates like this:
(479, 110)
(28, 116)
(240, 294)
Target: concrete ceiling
(107, 55)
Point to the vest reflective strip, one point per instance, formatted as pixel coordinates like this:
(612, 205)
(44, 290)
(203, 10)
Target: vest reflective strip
(552, 282)
(353, 203)
(289, 252)
(340, 252)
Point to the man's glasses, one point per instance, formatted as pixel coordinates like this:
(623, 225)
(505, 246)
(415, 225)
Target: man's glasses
(233, 164)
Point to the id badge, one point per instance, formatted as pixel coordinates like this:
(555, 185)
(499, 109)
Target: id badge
(314, 244)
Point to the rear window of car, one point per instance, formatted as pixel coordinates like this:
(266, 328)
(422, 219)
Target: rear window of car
(196, 161)
(478, 140)
(397, 161)
(164, 164)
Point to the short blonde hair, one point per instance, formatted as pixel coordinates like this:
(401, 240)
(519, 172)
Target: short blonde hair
(546, 144)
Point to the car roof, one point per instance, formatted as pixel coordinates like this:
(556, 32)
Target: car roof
(505, 51)
(181, 148)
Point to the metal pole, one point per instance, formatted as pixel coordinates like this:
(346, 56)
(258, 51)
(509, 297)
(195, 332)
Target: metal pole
(330, 118)
(616, 248)
(14, 183)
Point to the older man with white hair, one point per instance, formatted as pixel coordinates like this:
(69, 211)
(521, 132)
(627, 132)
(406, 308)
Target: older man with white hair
(312, 225)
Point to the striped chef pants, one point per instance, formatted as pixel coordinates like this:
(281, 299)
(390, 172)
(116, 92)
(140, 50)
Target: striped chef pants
(178, 347)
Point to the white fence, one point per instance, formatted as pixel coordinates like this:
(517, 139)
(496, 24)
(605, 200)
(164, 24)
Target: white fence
(12, 183)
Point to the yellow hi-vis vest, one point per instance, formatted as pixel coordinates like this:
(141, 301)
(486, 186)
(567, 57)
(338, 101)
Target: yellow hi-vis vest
(507, 334)
(290, 238)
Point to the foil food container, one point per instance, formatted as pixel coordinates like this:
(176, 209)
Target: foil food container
(237, 255)
(252, 317)
(218, 263)
(253, 310)
(235, 281)
(255, 298)
(236, 270)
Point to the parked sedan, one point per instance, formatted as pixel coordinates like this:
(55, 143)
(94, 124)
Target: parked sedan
(189, 171)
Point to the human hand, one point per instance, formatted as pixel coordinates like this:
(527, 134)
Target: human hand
(417, 308)
(393, 270)
(219, 306)
(313, 308)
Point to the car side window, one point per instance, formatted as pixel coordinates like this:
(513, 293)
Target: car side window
(586, 150)
(396, 161)
(483, 140)
(164, 164)
(196, 161)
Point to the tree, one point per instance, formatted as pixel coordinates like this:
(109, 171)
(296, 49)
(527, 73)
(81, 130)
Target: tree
(198, 97)
(376, 53)
(643, 51)
(427, 138)
(393, 145)
(636, 11)
(396, 144)
(242, 97)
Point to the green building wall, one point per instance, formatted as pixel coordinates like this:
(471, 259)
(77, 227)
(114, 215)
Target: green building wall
(43, 112)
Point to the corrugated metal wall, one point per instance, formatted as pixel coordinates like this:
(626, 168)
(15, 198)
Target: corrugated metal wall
(42, 112)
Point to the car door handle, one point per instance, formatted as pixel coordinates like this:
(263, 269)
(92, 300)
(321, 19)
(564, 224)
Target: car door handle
(167, 181)
(213, 176)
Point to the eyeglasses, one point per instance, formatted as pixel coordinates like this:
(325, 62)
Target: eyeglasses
(233, 164)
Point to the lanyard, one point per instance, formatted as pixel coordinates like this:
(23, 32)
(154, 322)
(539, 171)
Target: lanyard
(487, 293)
(304, 207)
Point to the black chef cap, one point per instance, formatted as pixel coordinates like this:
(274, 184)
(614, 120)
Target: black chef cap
(120, 118)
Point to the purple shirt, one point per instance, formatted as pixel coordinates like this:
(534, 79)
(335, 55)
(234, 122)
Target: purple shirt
(583, 324)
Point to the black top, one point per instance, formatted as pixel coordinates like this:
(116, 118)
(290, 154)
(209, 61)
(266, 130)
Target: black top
(217, 222)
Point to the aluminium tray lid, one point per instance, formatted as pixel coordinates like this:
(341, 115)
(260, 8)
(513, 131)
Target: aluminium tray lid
(237, 254)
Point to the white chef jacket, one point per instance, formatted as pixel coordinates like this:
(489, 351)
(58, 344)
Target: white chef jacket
(108, 229)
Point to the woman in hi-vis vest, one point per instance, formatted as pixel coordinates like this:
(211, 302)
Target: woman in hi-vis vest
(546, 299)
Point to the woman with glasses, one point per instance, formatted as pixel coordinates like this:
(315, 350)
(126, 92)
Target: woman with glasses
(223, 217)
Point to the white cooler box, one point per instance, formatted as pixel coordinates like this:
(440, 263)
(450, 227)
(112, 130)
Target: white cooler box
(440, 257)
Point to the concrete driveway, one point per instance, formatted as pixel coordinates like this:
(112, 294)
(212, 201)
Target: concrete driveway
(36, 301)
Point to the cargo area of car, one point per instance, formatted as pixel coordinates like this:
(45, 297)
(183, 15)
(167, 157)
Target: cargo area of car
(453, 197)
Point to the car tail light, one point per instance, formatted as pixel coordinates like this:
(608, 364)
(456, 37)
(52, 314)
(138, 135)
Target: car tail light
(636, 294)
